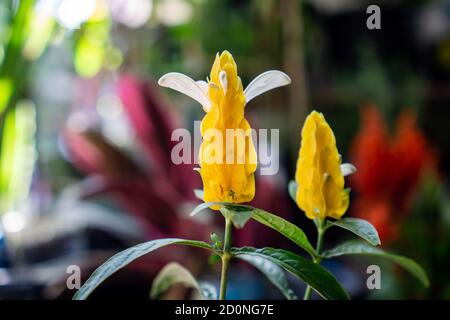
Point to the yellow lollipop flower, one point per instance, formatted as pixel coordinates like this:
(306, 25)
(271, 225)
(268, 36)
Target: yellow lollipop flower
(320, 175)
(227, 154)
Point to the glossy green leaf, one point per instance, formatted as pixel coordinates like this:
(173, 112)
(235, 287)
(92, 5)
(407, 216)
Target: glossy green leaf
(123, 258)
(360, 227)
(272, 271)
(321, 280)
(363, 248)
(173, 274)
(286, 228)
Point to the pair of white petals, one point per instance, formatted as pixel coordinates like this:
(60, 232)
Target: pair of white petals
(198, 90)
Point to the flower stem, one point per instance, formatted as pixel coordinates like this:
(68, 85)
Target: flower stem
(318, 259)
(225, 259)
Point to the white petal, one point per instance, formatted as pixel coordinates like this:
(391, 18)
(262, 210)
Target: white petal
(182, 83)
(347, 169)
(203, 85)
(264, 82)
(223, 81)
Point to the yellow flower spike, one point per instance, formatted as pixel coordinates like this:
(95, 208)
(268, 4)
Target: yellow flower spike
(320, 175)
(227, 155)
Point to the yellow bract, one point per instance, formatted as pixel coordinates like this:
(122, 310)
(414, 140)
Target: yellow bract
(225, 180)
(320, 182)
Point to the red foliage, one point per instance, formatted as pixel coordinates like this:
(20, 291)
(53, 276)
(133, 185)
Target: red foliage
(389, 169)
(153, 193)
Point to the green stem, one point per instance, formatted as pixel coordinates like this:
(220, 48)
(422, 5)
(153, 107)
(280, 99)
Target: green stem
(318, 259)
(308, 293)
(225, 259)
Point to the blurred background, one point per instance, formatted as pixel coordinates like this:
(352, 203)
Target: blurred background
(85, 167)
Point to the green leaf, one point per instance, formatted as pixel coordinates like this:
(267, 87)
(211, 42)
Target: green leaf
(286, 228)
(292, 188)
(360, 227)
(123, 258)
(356, 247)
(272, 271)
(174, 273)
(314, 275)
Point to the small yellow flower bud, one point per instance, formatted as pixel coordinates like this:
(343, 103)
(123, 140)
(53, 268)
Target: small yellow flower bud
(319, 178)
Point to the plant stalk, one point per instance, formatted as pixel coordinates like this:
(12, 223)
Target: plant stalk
(318, 259)
(226, 256)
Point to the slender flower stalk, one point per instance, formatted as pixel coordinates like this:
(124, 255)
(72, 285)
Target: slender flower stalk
(319, 245)
(225, 259)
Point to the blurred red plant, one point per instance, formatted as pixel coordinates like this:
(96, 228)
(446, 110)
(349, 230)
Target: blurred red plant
(389, 169)
(153, 193)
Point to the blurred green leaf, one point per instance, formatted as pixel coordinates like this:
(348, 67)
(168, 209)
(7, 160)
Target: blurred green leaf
(41, 30)
(272, 271)
(92, 47)
(6, 89)
(363, 248)
(88, 57)
(17, 154)
(214, 259)
(13, 65)
(173, 274)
